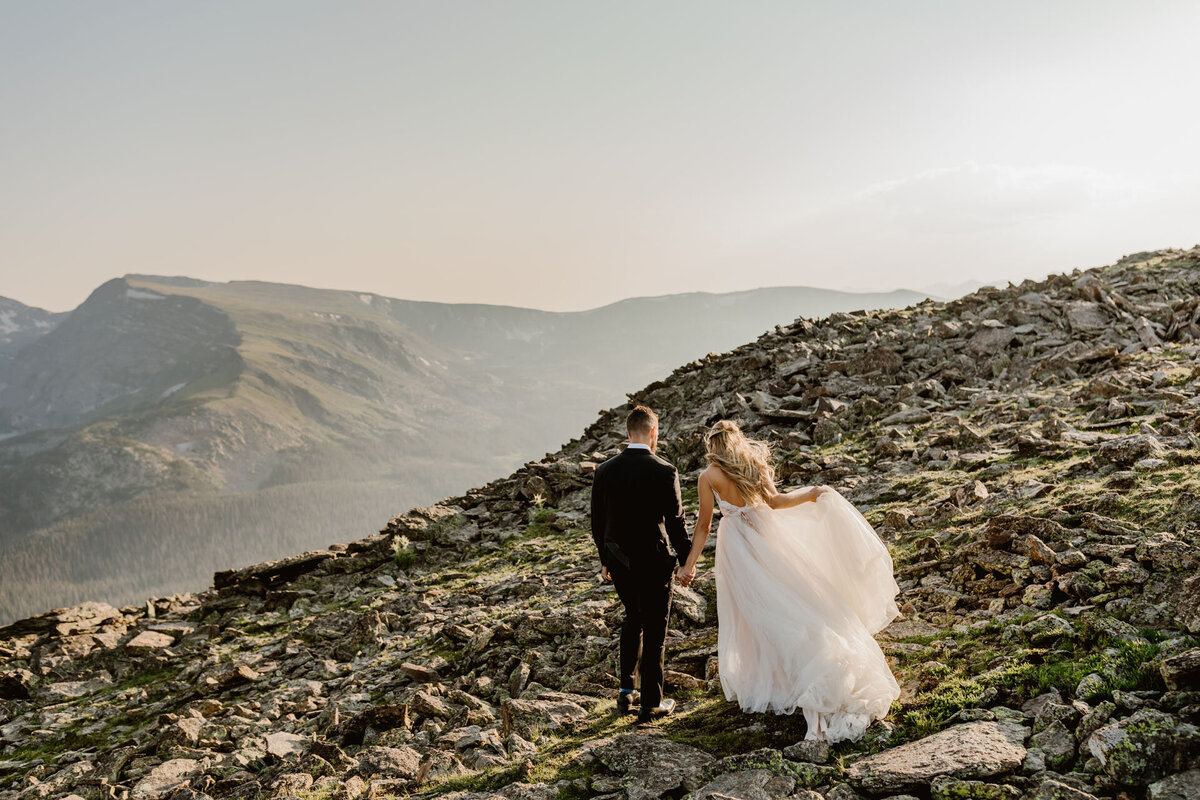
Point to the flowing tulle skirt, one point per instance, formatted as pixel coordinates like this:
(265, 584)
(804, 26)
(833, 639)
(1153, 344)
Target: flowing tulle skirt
(800, 593)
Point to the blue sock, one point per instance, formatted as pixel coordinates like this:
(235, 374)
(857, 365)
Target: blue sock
(627, 691)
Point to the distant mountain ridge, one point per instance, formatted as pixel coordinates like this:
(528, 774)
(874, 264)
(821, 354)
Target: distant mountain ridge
(21, 324)
(169, 427)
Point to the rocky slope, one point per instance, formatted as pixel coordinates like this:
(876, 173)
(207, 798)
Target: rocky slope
(21, 324)
(1029, 455)
(170, 427)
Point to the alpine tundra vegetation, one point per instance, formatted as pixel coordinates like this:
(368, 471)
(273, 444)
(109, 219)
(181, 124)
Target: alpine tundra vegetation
(1030, 455)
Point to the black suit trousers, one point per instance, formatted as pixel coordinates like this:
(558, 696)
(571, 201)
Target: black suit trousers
(645, 591)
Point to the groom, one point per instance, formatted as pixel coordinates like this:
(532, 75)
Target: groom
(636, 508)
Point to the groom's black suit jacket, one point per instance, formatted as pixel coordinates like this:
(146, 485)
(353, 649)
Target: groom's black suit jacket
(636, 510)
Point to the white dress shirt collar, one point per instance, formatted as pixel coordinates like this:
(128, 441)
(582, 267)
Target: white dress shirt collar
(637, 446)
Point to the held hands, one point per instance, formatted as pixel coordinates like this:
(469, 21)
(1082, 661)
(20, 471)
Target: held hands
(815, 492)
(685, 575)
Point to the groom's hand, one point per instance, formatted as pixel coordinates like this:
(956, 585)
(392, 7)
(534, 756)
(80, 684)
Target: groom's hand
(604, 573)
(685, 575)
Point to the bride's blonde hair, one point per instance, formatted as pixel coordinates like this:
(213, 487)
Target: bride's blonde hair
(746, 461)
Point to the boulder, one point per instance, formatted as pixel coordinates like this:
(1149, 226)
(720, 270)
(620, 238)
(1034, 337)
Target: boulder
(15, 684)
(391, 762)
(1085, 317)
(1181, 786)
(1056, 790)
(750, 784)
(164, 778)
(286, 745)
(1128, 450)
(813, 751)
(654, 764)
(945, 787)
(969, 750)
(149, 642)
(1182, 671)
(1057, 745)
(1187, 604)
(184, 732)
(419, 673)
(525, 716)
(428, 705)
(1145, 747)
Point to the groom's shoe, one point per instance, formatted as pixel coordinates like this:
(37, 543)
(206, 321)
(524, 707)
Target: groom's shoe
(625, 703)
(664, 707)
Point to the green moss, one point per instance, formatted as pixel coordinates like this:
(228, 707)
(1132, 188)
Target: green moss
(723, 729)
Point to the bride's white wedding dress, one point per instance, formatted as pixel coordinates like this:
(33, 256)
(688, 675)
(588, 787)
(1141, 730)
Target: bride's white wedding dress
(800, 593)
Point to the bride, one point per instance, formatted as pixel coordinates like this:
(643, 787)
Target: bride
(803, 582)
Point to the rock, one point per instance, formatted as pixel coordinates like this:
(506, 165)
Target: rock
(163, 778)
(908, 416)
(1003, 527)
(1094, 720)
(655, 765)
(518, 679)
(970, 493)
(1085, 316)
(1055, 712)
(258, 578)
(427, 705)
(351, 788)
(1048, 628)
(392, 762)
(945, 787)
(66, 690)
(292, 784)
(184, 732)
(970, 750)
(15, 684)
(1187, 604)
(689, 603)
(843, 791)
(1182, 671)
(525, 716)
(1057, 744)
(988, 341)
(230, 678)
(420, 674)
(813, 751)
(1055, 790)
(1181, 786)
(1037, 550)
(1145, 747)
(1166, 552)
(1092, 686)
(826, 432)
(367, 632)
(380, 718)
(148, 642)
(1128, 450)
(751, 784)
(286, 745)
(809, 794)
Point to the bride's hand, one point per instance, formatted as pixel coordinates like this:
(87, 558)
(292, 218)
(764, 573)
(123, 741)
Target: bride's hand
(685, 575)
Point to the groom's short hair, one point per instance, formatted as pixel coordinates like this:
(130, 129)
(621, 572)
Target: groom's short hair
(641, 421)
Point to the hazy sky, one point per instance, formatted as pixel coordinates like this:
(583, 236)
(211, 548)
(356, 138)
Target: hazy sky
(566, 154)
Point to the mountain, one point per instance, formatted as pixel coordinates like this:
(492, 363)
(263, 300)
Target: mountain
(169, 427)
(21, 324)
(945, 289)
(1027, 454)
